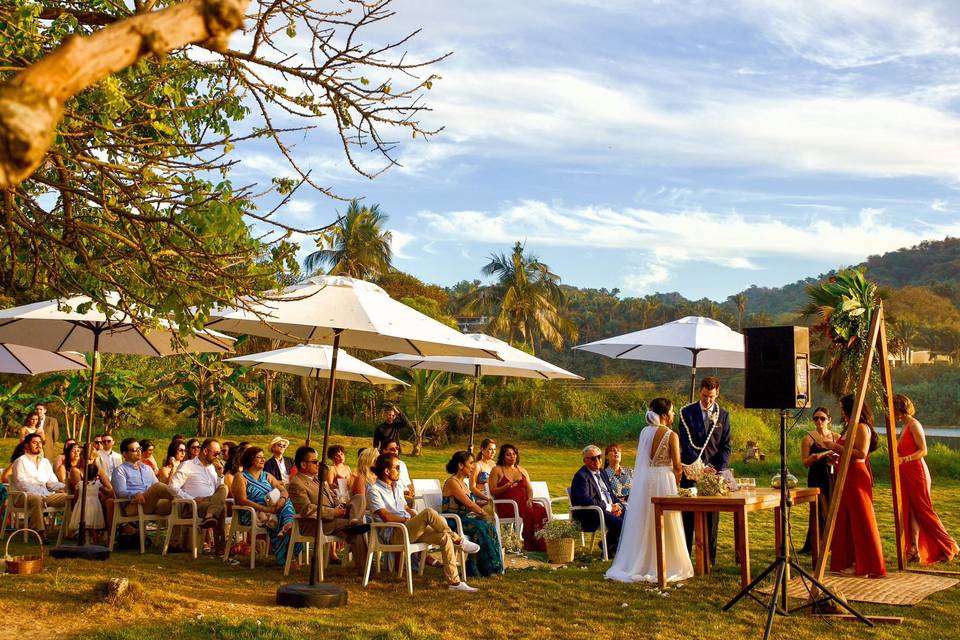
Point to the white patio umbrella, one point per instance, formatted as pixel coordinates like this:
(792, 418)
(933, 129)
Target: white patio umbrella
(347, 313)
(691, 341)
(57, 325)
(312, 360)
(514, 364)
(28, 361)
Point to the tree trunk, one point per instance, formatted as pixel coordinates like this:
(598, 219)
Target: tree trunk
(306, 395)
(283, 395)
(31, 102)
(201, 405)
(268, 397)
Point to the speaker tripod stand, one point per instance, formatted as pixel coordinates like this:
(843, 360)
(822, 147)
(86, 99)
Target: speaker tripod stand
(782, 566)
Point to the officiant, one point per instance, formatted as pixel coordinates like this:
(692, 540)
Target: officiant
(704, 439)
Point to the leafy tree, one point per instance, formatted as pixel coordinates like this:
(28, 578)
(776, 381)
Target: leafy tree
(213, 392)
(403, 285)
(118, 395)
(430, 397)
(740, 300)
(359, 246)
(526, 302)
(429, 307)
(123, 182)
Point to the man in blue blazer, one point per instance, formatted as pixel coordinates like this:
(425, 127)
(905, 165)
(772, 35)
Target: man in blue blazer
(590, 488)
(704, 435)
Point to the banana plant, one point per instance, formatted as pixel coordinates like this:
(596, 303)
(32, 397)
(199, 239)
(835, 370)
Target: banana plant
(429, 398)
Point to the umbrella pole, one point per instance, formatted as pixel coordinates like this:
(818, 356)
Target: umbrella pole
(473, 407)
(81, 536)
(317, 550)
(313, 404)
(693, 374)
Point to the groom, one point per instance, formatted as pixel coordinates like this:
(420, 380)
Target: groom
(590, 488)
(704, 434)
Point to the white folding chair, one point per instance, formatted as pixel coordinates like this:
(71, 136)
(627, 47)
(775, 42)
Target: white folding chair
(190, 520)
(377, 548)
(541, 494)
(141, 518)
(422, 486)
(602, 529)
(434, 500)
(252, 530)
(325, 541)
(19, 517)
(515, 520)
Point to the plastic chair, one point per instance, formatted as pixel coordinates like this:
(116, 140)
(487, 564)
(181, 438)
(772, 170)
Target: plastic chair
(541, 494)
(191, 520)
(325, 540)
(237, 527)
(515, 520)
(17, 514)
(141, 518)
(602, 529)
(434, 500)
(377, 548)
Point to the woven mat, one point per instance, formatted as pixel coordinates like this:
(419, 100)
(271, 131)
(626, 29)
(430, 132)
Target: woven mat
(898, 587)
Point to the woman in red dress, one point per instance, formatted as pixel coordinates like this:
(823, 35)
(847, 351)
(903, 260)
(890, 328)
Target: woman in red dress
(509, 481)
(923, 536)
(856, 547)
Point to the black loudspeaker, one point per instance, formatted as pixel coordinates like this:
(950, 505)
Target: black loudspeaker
(778, 368)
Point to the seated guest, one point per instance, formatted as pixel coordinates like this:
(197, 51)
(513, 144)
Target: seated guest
(33, 475)
(338, 473)
(59, 467)
(619, 477)
(201, 480)
(482, 468)
(193, 448)
(477, 524)
(136, 481)
(107, 458)
(253, 487)
(226, 449)
(510, 481)
(590, 488)
(362, 478)
(233, 467)
(146, 446)
(342, 520)
(279, 466)
(17, 452)
(405, 483)
(98, 484)
(388, 504)
(176, 453)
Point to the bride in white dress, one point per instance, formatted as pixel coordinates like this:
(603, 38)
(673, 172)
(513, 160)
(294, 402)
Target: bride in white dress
(655, 474)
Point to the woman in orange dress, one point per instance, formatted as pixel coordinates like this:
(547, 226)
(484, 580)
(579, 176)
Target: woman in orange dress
(510, 481)
(856, 547)
(922, 535)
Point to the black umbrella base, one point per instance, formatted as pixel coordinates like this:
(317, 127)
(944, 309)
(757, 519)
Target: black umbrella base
(80, 552)
(321, 596)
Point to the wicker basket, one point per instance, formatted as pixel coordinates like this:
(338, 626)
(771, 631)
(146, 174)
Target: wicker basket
(23, 564)
(561, 551)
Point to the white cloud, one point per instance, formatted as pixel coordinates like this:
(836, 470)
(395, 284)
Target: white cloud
(641, 282)
(399, 241)
(940, 205)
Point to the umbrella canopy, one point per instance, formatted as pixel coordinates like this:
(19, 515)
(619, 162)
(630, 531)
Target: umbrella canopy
(692, 341)
(50, 325)
(27, 361)
(57, 325)
(312, 311)
(312, 360)
(513, 362)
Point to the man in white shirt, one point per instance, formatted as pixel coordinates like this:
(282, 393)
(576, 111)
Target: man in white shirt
(404, 481)
(201, 480)
(388, 504)
(107, 458)
(33, 475)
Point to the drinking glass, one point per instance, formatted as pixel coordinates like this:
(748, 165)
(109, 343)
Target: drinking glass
(749, 486)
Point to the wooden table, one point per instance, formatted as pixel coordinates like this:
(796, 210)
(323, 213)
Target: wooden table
(739, 504)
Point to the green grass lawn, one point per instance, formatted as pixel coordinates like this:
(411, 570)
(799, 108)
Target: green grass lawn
(180, 598)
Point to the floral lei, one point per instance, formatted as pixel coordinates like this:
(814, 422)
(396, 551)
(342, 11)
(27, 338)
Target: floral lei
(695, 470)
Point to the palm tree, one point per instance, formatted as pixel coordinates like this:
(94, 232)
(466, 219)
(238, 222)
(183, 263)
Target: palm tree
(844, 306)
(359, 247)
(740, 300)
(429, 398)
(526, 303)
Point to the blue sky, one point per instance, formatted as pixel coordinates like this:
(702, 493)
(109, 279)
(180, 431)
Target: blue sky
(688, 146)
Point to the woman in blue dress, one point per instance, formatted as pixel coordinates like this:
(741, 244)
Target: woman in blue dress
(477, 524)
(251, 488)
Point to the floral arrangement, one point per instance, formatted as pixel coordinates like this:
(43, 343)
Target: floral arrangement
(511, 540)
(712, 484)
(687, 492)
(559, 530)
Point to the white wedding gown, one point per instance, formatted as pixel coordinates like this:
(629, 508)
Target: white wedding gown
(636, 559)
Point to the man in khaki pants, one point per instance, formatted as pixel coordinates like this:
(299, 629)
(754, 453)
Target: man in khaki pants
(33, 475)
(389, 505)
(137, 482)
(201, 480)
